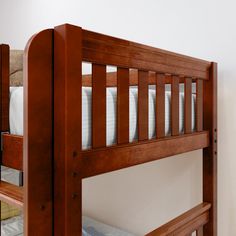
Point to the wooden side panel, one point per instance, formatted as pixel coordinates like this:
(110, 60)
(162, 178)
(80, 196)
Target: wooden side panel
(4, 83)
(160, 105)
(210, 153)
(67, 130)
(38, 136)
(188, 105)
(12, 151)
(122, 105)
(175, 106)
(98, 106)
(199, 105)
(142, 105)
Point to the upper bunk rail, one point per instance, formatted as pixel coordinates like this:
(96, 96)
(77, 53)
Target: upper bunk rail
(103, 49)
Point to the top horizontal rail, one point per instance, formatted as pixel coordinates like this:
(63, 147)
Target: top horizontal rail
(103, 49)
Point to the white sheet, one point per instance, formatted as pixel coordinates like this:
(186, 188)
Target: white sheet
(16, 114)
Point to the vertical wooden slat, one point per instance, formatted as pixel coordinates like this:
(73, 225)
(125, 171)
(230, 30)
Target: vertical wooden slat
(175, 105)
(67, 130)
(160, 105)
(38, 135)
(122, 105)
(4, 93)
(142, 105)
(188, 105)
(5, 87)
(210, 153)
(98, 106)
(199, 232)
(199, 105)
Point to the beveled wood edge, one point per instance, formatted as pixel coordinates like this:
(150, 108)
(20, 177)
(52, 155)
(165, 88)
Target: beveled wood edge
(184, 221)
(94, 161)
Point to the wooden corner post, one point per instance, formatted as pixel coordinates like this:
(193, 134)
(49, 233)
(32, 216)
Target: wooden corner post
(210, 153)
(67, 130)
(38, 135)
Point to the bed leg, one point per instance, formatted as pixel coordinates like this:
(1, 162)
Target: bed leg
(38, 135)
(4, 95)
(67, 130)
(210, 153)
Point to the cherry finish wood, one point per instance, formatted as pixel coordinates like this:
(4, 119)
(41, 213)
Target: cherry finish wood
(142, 105)
(58, 108)
(210, 153)
(12, 151)
(160, 105)
(186, 223)
(133, 79)
(67, 130)
(11, 194)
(96, 161)
(199, 105)
(103, 49)
(38, 136)
(98, 106)
(188, 105)
(199, 232)
(4, 87)
(175, 106)
(122, 105)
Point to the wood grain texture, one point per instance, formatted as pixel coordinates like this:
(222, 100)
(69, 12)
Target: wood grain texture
(175, 106)
(11, 194)
(210, 154)
(94, 162)
(160, 105)
(186, 223)
(133, 79)
(199, 105)
(38, 136)
(4, 87)
(12, 153)
(199, 232)
(99, 106)
(142, 105)
(188, 105)
(67, 130)
(122, 105)
(103, 49)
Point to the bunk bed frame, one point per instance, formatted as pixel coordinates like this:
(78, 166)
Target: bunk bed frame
(50, 153)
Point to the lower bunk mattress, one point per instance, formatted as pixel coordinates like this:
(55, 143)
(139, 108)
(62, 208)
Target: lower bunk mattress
(91, 227)
(16, 113)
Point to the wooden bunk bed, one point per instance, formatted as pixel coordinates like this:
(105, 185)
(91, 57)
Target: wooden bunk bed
(50, 153)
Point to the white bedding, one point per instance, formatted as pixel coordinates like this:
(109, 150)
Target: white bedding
(16, 113)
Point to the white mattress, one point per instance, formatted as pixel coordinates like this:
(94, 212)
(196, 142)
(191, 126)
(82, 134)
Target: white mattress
(16, 113)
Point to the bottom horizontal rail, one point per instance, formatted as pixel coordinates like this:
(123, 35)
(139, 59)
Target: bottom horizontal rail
(186, 223)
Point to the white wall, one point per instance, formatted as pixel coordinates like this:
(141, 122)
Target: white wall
(143, 197)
